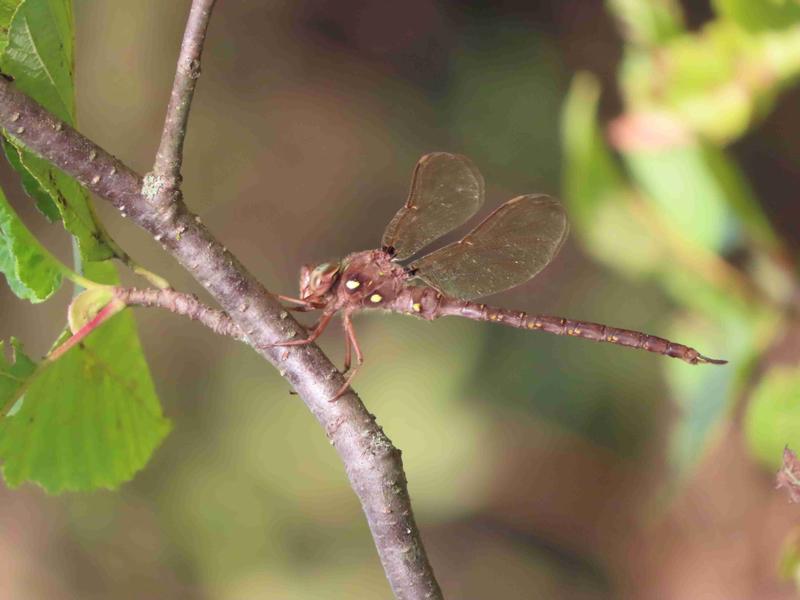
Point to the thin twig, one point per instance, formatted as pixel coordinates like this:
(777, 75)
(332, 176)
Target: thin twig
(169, 157)
(372, 463)
(187, 305)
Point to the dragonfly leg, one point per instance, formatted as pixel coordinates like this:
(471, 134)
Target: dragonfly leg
(312, 326)
(303, 305)
(348, 346)
(299, 308)
(350, 334)
(317, 331)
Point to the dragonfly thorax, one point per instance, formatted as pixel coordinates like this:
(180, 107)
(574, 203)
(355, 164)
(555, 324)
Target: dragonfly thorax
(369, 279)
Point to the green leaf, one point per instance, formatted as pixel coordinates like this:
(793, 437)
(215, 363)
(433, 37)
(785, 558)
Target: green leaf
(90, 419)
(73, 203)
(44, 202)
(704, 393)
(39, 55)
(647, 22)
(31, 271)
(773, 415)
(758, 15)
(597, 195)
(590, 175)
(633, 235)
(14, 375)
(703, 286)
(7, 9)
(715, 83)
(686, 191)
(741, 199)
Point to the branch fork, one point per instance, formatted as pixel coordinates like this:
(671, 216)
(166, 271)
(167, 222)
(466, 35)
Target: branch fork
(249, 311)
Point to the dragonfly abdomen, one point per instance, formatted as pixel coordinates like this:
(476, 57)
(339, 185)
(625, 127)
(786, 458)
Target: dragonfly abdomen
(420, 301)
(560, 326)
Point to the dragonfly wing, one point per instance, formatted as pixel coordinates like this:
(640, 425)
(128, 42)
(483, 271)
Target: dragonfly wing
(509, 247)
(446, 190)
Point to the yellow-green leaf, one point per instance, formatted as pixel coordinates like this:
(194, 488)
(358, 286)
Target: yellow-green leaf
(773, 415)
(758, 15)
(89, 419)
(31, 271)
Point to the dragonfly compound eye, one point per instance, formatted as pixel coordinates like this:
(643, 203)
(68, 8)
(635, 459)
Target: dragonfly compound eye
(323, 276)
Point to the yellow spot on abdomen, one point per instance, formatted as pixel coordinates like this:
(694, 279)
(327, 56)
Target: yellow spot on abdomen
(375, 298)
(416, 307)
(352, 284)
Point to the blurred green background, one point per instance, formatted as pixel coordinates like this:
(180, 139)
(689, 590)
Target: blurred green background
(539, 467)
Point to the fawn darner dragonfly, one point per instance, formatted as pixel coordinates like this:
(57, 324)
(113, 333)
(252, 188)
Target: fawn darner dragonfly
(509, 247)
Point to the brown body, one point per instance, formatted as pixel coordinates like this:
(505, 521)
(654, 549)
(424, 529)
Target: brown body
(516, 241)
(371, 280)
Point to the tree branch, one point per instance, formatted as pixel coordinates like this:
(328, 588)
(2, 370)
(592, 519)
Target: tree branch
(372, 463)
(167, 167)
(179, 303)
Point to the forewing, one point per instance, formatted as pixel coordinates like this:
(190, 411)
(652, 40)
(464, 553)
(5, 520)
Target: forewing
(509, 247)
(446, 190)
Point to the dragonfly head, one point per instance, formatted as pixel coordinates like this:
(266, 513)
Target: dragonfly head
(316, 282)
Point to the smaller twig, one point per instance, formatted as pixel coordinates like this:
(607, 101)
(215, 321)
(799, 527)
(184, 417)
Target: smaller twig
(179, 303)
(149, 276)
(152, 278)
(167, 167)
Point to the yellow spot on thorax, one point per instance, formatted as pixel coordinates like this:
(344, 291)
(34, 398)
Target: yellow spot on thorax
(352, 284)
(416, 307)
(375, 298)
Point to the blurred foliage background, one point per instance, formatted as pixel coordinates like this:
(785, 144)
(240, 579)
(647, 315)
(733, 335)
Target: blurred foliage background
(539, 467)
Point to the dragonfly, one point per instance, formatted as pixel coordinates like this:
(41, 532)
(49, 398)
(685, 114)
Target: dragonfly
(509, 247)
